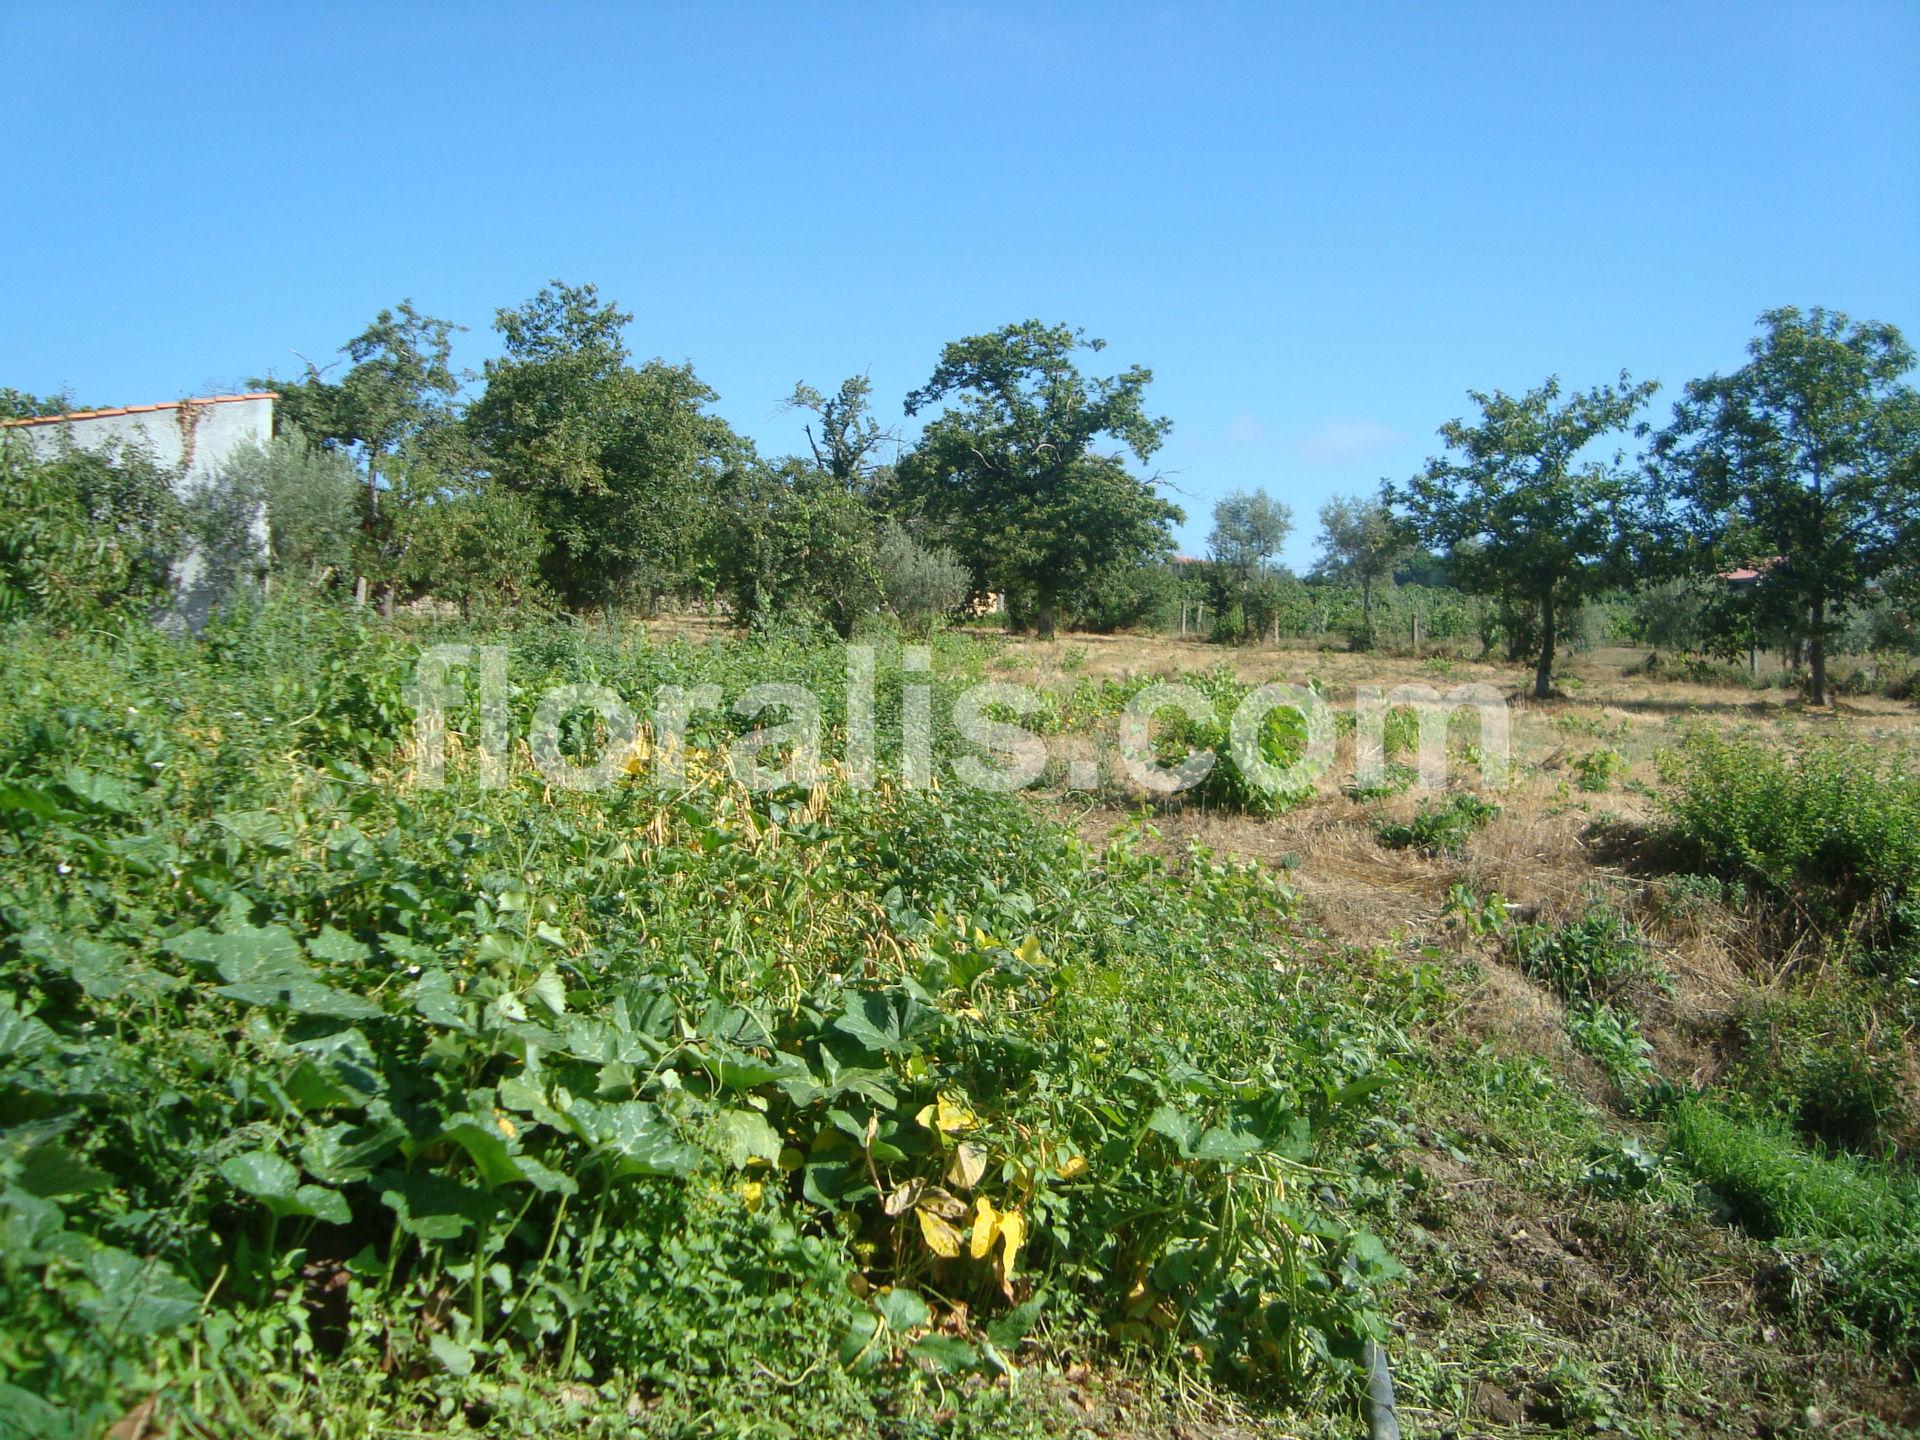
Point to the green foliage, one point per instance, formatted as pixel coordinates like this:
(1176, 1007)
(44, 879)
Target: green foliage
(920, 584)
(1480, 916)
(1611, 1037)
(1802, 461)
(794, 546)
(1858, 1222)
(473, 543)
(1596, 769)
(1593, 959)
(1525, 517)
(621, 462)
(1362, 541)
(311, 498)
(669, 1086)
(1443, 828)
(1833, 830)
(1819, 1060)
(1007, 468)
(82, 531)
(1249, 527)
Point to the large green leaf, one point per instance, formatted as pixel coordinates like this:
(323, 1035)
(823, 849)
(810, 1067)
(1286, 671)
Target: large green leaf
(103, 971)
(135, 1296)
(883, 1021)
(637, 1134)
(263, 966)
(741, 1137)
(903, 1309)
(22, 799)
(261, 1174)
(432, 1207)
(98, 792)
(22, 1036)
(51, 1169)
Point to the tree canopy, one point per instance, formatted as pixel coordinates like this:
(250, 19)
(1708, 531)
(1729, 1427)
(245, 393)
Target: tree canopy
(1802, 464)
(1009, 472)
(621, 462)
(1528, 513)
(1363, 541)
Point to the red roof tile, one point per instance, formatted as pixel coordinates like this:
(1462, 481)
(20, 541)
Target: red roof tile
(142, 409)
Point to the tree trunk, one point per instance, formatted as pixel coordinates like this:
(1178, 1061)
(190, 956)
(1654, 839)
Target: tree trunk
(1366, 612)
(1043, 618)
(1543, 673)
(1817, 650)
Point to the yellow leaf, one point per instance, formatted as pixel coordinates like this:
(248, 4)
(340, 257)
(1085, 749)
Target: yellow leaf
(753, 1190)
(941, 1237)
(1013, 1235)
(986, 1225)
(942, 1203)
(954, 1116)
(969, 1164)
(902, 1200)
(924, 1117)
(1075, 1167)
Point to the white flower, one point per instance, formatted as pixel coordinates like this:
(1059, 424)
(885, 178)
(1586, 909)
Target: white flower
(64, 868)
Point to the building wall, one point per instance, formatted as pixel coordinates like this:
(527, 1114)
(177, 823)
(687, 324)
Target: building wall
(193, 438)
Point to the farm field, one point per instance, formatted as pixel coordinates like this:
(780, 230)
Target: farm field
(960, 722)
(338, 1102)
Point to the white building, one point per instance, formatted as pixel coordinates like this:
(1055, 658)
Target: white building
(193, 439)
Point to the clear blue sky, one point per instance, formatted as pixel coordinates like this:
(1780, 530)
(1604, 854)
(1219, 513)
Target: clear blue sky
(1320, 225)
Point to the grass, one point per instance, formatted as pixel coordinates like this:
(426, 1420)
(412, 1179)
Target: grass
(1855, 1220)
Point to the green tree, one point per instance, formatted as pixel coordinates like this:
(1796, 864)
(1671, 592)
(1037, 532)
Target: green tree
(791, 543)
(401, 385)
(19, 405)
(1802, 462)
(1249, 527)
(845, 437)
(1525, 513)
(311, 496)
(1009, 473)
(621, 462)
(1362, 541)
(919, 583)
(84, 530)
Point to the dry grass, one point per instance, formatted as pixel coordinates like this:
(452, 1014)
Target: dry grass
(1552, 850)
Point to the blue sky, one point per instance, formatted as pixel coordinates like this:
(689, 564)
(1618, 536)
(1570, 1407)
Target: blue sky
(1320, 225)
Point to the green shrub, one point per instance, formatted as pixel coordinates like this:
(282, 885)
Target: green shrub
(1611, 1037)
(1443, 828)
(1592, 960)
(1834, 830)
(920, 584)
(1812, 1059)
(1598, 768)
(82, 531)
